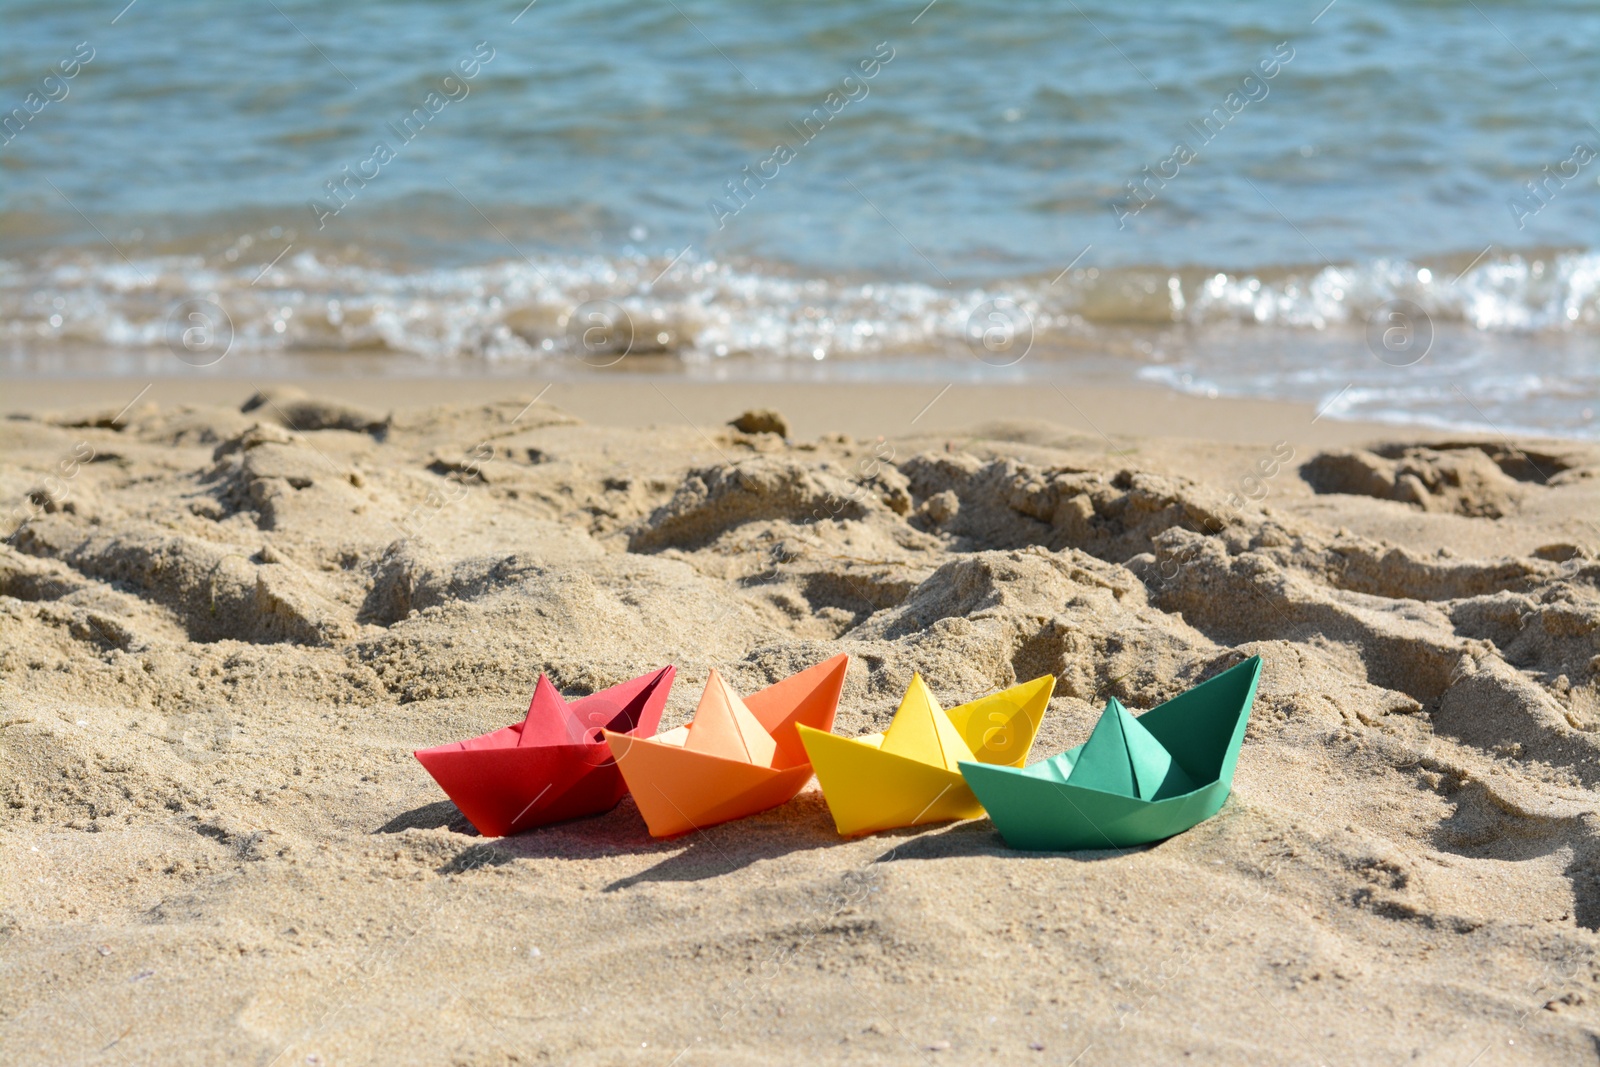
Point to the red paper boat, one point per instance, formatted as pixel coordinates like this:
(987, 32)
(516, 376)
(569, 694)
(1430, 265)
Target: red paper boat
(553, 765)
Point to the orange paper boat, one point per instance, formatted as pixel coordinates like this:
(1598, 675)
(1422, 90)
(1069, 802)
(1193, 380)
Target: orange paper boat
(554, 765)
(736, 757)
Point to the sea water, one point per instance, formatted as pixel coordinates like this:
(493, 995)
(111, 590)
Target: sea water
(1389, 210)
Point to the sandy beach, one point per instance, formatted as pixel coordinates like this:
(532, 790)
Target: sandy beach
(231, 615)
(370, 372)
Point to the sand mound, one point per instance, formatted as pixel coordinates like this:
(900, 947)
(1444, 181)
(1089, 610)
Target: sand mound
(1461, 478)
(293, 408)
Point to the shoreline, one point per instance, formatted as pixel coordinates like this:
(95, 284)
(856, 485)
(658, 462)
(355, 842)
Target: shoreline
(861, 409)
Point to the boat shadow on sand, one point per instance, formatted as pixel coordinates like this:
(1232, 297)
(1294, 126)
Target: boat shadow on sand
(978, 837)
(801, 825)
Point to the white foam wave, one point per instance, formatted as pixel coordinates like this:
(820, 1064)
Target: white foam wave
(705, 309)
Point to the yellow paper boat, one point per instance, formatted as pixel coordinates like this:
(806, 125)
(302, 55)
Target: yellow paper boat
(909, 774)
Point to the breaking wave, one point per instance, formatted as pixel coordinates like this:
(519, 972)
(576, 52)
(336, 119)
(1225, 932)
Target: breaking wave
(707, 309)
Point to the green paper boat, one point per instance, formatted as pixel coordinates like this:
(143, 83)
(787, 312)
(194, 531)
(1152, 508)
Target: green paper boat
(1136, 780)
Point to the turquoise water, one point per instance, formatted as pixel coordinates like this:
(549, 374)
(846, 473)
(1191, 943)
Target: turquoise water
(1210, 198)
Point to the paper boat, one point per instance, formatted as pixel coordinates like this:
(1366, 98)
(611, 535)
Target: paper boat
(909, 774)
(555, 764)
(735, 758)
(1136, 780)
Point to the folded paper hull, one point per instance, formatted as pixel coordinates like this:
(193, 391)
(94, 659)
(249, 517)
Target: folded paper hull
(1042, 815)
(1041, 807)
(678, 791)
(679, 788)
(505, 790)
(870, 790)
(553, 766)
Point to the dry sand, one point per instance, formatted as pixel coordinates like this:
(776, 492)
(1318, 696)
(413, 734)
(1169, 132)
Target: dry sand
(223, 632)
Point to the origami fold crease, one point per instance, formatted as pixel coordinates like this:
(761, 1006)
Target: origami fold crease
(910, 774)
(553, 765)
(1136, 780)
(736, 757)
